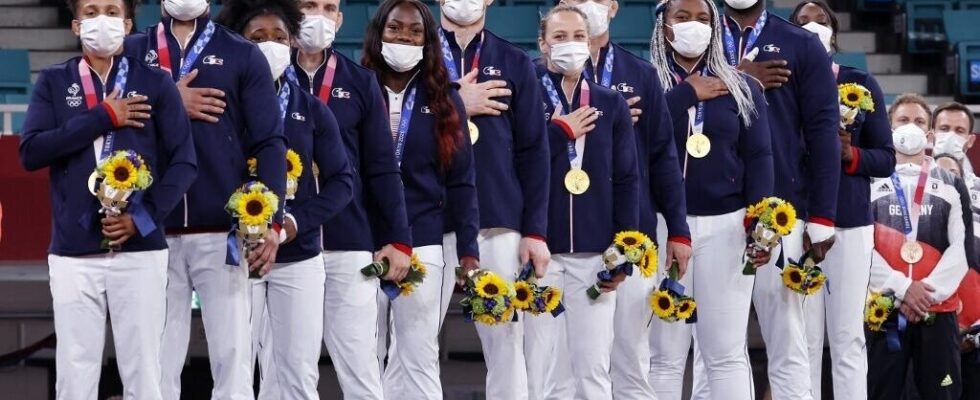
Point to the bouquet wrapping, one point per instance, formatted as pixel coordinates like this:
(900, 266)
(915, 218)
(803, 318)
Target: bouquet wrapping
(488, 298)
(629, 249)
(416, 274)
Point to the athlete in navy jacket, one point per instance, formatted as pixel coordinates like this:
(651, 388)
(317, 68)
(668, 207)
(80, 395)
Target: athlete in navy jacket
(81, 112)
(866, 153)
(507, 128)
(224, 83)
(591, 133)
(804, 117)
(349, 305)
(436, 161)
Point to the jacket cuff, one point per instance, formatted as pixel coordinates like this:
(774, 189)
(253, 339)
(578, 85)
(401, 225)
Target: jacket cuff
(112, 114)
(822, 221)
(565, 128)
(402, 247)
(536, 236)
(680, 239)
(852, 167)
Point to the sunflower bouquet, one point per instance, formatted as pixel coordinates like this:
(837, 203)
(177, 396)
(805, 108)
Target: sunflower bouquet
(530, 297)
(294, 169)
(854, 99)
(629, 249)
(804, 277)
(416, 274)
(115, 179)
(253, 206)
(669, 302)
(768, 221)
(878, 307)
(488, 299)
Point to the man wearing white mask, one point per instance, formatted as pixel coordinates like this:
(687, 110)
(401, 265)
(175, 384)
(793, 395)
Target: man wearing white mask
(507, 129)
(919, 257)
(114, 103)
(661, 186)
(234, 115)
(952, 126)
(591, 134)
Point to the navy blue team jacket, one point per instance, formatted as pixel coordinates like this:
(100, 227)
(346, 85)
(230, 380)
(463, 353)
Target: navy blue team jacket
(512, 150)
(661, 185)
(803, 118)
(250, 124)
(874, 156)
(737, 171)
(432, 194)
(58, 133)
(313, 133)
(357, 103)
(611, 204)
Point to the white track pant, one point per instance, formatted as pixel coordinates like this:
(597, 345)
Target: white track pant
(412, 372)
(724, 296)
(841, 305)
(197, 262)
(780, 313)
(287, 310)
(503, 345)
(589, 333)
(631, 350)
(132, 288)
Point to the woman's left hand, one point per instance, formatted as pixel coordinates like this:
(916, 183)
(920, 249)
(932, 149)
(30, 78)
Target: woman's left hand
(846, 154)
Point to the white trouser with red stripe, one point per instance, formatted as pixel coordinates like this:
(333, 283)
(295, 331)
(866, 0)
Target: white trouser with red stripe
(503, 345)
(197, 262)
(287, 325)
(723, 295)
(412, 372)
(840, 308)
(130, 286)
(587, 343)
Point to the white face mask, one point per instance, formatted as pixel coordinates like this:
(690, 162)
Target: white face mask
(950, 143)
(569, 56)
(316, 33)
(463, 12)
(741, 4)
(277, 54)
(823, 32)
(102, 35)
(909, 139)
(185, 10)
(597, 17)
(401, 57)
(691, 38)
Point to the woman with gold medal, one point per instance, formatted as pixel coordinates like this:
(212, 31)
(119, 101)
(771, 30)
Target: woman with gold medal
(593, 195)
(722, 133)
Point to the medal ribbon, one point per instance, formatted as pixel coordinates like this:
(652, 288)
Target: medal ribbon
(406, 117)
(695, 120)
(283, 101)
(910, 216)
(574, 146)
(92, 100)
(732, 52)
(325, 86)
(447, 56)
(192, 55)
(607, 69)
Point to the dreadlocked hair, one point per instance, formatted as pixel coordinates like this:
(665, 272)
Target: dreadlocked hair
(236, 14)
(433, 74)
(715, 61)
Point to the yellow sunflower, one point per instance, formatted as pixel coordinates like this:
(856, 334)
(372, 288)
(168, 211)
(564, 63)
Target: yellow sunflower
(417, 264)
(523, 295)
(876, 314)
(120, 173)
(552, 297)
(294, 166)
(254, 208)
(816, 283)
(662, 304)
(630, 240)
(686, 308)
(406, 289)
(485, 319)
(489, 285)
(507, 315)
(648, 264)
(793, 277)
(784, 218)
(851, 95)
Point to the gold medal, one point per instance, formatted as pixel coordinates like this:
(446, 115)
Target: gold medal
(92, 179)
(698, 145)
(577, 181)
(911, 252)
(474, 132)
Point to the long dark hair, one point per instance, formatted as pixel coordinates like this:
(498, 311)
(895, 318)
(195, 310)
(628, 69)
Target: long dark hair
(831, 16)
(236, 14)
(433, 74)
